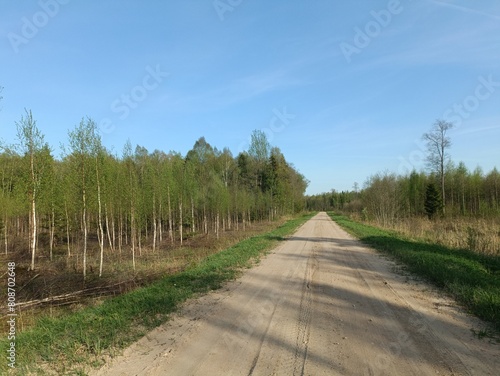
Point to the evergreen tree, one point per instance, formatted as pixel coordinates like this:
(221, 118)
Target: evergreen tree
(433, 201)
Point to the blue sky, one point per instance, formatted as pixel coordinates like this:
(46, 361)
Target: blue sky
(344, 88)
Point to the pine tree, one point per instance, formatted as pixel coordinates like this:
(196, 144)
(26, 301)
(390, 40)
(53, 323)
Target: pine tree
(433, 201)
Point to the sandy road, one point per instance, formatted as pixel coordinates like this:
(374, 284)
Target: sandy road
(320, 304)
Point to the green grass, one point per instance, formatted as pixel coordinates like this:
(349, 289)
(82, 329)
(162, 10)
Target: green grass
(68, 344)
(473, 279)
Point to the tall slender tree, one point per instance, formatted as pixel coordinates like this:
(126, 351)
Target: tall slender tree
(82, 146)
(438, 143)
(132, 189)
(32, 145)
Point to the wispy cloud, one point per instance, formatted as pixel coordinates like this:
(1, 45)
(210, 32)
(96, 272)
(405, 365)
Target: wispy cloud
(238, 90)
(480, 126)
(448, 43)
(464, 9)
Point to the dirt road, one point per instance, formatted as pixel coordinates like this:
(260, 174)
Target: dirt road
(320, 304)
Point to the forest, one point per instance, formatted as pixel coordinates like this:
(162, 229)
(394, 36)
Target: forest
(92, 199)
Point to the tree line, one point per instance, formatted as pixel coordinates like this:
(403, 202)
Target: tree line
(92, 198)
(444, 189)
(387, 196)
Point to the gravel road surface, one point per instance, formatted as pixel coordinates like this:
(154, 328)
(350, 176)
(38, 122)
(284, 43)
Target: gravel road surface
(321, 303)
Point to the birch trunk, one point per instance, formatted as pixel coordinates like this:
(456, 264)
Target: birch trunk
(132, 234)
(52, 232)
(205, 221)
(192, 216)
(170, 224)
(139, 236)
(5, 232)
(110, 242)
(154, 223)
(160, 224)
(120, 234)
(34, 229)
(217, 225)
(101, 230)
(84, 224)
(180, 220)
(67, 229)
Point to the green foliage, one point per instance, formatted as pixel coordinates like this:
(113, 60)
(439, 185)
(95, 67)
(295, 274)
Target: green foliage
(433, 201)
(127, 200)
(259, 147)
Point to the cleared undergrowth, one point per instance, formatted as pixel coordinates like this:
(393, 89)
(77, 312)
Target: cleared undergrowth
(67, 345)
(473, 279)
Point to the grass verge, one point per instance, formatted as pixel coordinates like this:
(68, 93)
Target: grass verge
(473, 279)
(67, 345)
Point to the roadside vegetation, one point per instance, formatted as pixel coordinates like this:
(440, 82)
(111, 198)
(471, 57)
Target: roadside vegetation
(73, 342)
(447, 203)
(472, 278)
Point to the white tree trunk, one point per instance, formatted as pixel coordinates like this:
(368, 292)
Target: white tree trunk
(205, 221)
(217, 225)
(160, 225)
(85, 231)
(52, 232)
(154, 223)
(101, 230)
(120, 233)
(193, 229)
(5, 232)
(132, 235)
(139, 236)
(67, 229)
(33, 233)
(108, 233)
(180, 220)
(170, 224)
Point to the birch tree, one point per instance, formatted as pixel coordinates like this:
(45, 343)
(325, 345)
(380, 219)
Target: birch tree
(98, 154)
(132, 188)
(82, 146)
(32, 144)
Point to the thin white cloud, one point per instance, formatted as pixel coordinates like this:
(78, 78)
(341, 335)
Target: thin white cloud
(480, 126)
(464, 9)
(445, 44)
(239, 90)
(434, 32)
